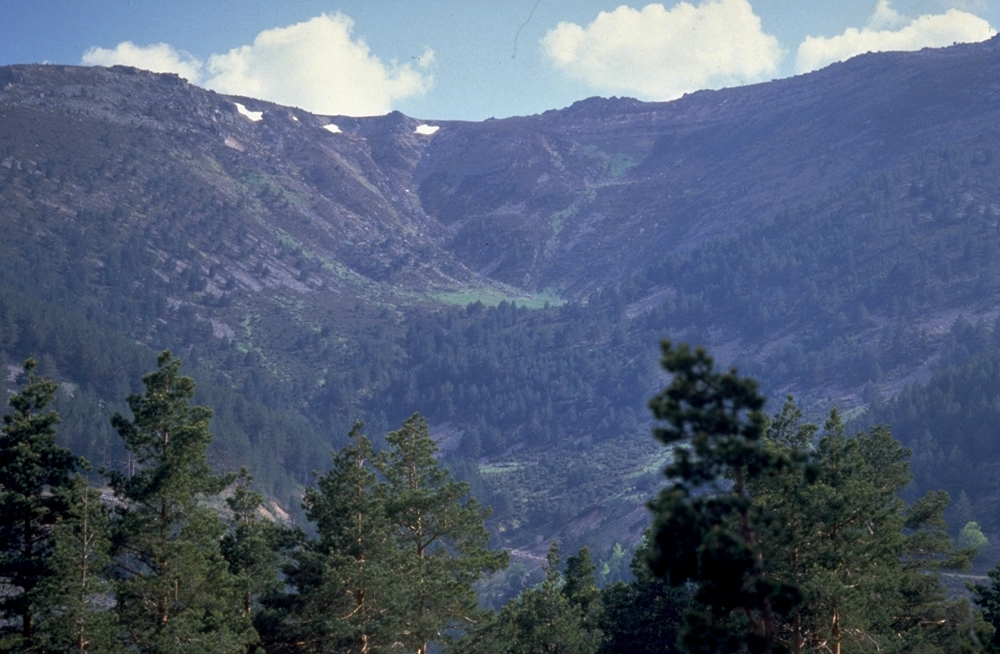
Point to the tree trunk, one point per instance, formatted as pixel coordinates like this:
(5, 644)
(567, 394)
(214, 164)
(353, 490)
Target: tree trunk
(835, 631)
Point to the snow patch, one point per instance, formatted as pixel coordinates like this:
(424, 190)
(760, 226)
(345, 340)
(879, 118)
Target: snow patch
(426, 129)
(252, 115)
(333, 129)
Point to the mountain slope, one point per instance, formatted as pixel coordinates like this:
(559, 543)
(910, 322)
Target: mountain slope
(823, 232)
(616, 184)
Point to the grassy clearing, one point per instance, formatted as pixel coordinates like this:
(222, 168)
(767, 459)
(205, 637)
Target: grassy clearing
(617, 164)
(621, 163)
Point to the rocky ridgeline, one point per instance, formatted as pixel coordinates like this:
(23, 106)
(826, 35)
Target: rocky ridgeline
(571, 198)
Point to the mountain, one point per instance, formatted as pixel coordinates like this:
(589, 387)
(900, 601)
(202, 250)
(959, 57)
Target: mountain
(831, 234)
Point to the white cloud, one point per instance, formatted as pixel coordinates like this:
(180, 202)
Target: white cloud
(427, 59)
(315, 65)
(885, 18)
(887, 30)
(660, 54)
(159, 58)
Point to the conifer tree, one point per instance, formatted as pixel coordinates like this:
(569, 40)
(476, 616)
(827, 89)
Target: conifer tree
(645, 615)
(865, 562)
(75, 615)
(251, 546)
(581, 586)
(440, 533)
(540, 620)
(832, 529)
(35, 475)
(174, 590)
(346, 586)
(987, 598)
(927, 617)
(703, 529)
(398, 549)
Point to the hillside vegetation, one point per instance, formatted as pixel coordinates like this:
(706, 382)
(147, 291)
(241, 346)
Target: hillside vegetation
(834, 235)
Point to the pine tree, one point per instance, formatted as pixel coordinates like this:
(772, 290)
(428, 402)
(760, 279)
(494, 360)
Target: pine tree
(174, 589)
(927, 618)
(865, 562)
(829, 553)
(251, 546)
(346, 587)
(35, 475)
(703, 529)
(645, 615)
(397, 552)
(581, 587)
(76, 599)
(541, 620)
(987, 598)
(440, 533)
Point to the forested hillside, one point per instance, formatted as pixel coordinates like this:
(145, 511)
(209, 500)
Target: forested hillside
(835, 235)
(950, 425)
(771, 534)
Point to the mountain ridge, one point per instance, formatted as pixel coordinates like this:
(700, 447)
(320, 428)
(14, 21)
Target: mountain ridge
(760, 111)
(825, 233)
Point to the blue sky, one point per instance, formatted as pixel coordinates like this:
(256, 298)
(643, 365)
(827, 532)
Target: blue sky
(472, 59)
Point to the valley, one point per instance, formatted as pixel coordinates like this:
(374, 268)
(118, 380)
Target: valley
(834, 235)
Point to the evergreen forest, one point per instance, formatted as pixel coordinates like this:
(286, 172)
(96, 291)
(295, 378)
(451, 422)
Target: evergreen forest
(768, 534)
(414, 409)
